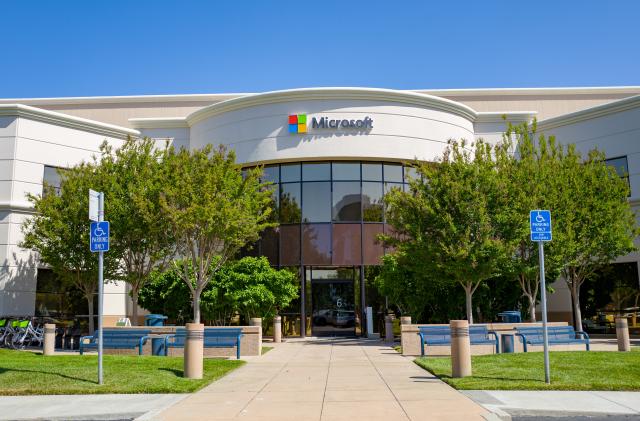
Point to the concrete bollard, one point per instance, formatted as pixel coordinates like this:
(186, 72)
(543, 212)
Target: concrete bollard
(257, 321)
(405, 320)
(388, 329)
(193, 350)
(49, 347)
(460, 348)
(622, 333)
(277, 329)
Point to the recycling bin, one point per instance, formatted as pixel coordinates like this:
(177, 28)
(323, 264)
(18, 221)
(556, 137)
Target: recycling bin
(507, 343)
(157, 344)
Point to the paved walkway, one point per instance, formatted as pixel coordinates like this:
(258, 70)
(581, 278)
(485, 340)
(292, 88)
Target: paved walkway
(558, 403)
(327, 380)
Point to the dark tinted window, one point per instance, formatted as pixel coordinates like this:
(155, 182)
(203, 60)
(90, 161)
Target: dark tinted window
(346, 171)
(316, 202)
(373, 249)
(316, 244)
(620, 164)
(271, 173)
(290, 203)
(371, 201)
(51, 178)
(346, 201)
(346, 245)
(316, 172)
(289, 245)
(289, 172)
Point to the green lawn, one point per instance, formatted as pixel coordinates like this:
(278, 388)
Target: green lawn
(525, 371)
(28, 373)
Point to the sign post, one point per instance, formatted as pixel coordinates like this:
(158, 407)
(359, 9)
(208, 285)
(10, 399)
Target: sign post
(540, 222)
(99, 242)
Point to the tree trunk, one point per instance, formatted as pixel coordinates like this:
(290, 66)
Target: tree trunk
(575, 294)
(134, 310)
(532, 308)
(91, 324)
(196, 307)
(468, 294)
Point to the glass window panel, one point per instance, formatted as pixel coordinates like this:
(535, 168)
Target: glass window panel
(276, 200)
(389, 186)
(316, 202)
(373, 249)
(371, 171)
(346, 201)
(346, 171)
(410, 173)
(269, 245)
(393, 173)
(51, 178)
(289, 245)
(316, 172)
(372, 201)
(271, 173)
(620, 165)
(290, 203)
(346, 245)
(316, 244)
(289, 172)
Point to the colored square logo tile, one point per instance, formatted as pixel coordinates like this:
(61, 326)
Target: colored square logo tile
(293, 128)
(293, 119)
(302, 128)
(302, 119)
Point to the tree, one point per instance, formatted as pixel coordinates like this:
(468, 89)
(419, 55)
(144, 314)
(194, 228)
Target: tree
(212, 211)
(249, 287)
(593, 222)
(446, 224)
(59, 232)
(132, 179)
(527, 172)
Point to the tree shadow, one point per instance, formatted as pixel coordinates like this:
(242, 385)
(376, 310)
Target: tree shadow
(178, 373)
(4, 370)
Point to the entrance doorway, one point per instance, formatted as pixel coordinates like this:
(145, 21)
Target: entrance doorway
(333, 308)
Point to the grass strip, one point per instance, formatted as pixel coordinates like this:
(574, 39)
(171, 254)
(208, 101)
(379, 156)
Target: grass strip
(28, 373)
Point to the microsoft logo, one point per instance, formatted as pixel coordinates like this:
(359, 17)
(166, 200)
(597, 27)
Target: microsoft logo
(298, 123)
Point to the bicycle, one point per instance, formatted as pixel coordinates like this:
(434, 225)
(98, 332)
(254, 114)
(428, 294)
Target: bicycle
(27, 335)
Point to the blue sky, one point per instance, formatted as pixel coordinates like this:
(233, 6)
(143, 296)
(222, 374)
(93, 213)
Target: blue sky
(83, 48)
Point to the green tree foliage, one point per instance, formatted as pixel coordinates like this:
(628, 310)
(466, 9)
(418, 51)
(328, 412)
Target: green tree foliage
(249, 287)
(132, 180)
(593, 222)
(59, 232)
(447, 222)
(212, 211)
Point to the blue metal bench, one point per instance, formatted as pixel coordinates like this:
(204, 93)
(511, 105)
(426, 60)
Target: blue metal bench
(558, 335)
(441, 335)
(214, 337)
(116, 339)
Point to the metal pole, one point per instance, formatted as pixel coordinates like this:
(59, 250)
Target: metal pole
(545, 336)
(100, 291)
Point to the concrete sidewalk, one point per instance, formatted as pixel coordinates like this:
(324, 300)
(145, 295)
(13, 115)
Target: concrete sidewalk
(327, 380)
(508, 404)
(83, 407)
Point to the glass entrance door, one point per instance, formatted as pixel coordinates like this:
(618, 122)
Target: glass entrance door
(333, 308)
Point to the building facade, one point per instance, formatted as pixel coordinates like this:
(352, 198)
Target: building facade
(332, 153)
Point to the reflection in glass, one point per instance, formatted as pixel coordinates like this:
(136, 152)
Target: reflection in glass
(316, 172)
(316, 202)
(289, 172)
(372, 171)
(271, 173)
(346, 201)
(316, 244)
(346, 244)
(290, 203)
(372, 201)
(373, 249)
(346, 171)
(410, 173)
(289, 245)
(275, 201)
(393, 173)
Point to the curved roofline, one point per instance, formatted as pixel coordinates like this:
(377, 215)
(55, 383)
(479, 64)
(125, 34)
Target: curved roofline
(376, 94)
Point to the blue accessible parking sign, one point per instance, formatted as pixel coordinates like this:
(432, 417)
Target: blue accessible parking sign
(540, 221)
(99, 236)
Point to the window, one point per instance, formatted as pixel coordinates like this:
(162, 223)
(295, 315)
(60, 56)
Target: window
(371, 201)
(290, 203)
(621, 166)
(271, 174)
(316, 202)
(52, 178)
(289, 172)
(346, 201)
(316, 244)
(346, 171)
(372, 172)
(316, 172)
(393, 173)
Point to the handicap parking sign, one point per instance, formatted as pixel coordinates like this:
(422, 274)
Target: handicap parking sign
(99, 236)
(540, 222)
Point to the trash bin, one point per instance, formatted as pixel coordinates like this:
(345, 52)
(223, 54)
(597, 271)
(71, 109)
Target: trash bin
(157, 344)
(510, 316)
(508, 343)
